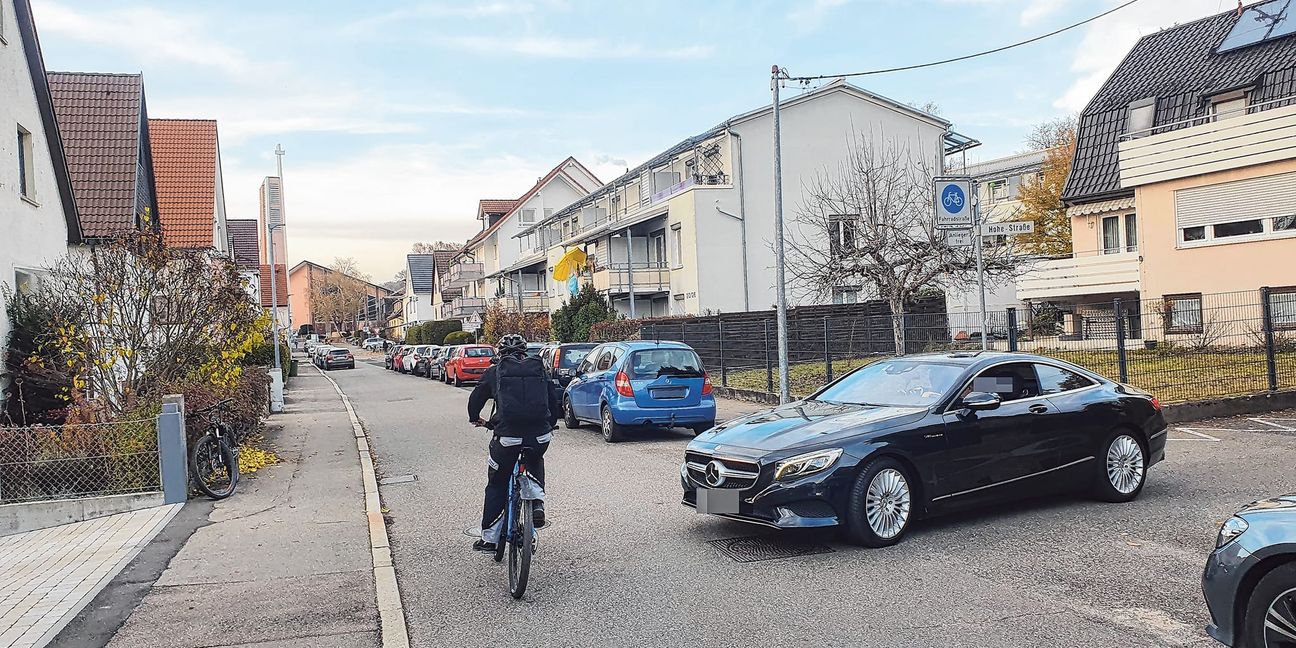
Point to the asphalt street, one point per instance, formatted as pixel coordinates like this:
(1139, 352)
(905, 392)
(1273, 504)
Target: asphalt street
(623, 563)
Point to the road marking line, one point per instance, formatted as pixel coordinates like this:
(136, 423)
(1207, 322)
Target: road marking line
(1195, 433)
(391, 612)
(1280, 427)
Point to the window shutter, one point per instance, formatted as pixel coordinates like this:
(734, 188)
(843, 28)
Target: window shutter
(1240, 200)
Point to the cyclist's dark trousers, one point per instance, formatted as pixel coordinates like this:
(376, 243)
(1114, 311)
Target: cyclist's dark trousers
(504, 452)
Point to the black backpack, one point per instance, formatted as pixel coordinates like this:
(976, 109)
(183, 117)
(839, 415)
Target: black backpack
(521, 391)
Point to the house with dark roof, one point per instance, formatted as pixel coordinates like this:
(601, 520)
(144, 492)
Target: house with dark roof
(420, 270)
(190, 189)
(1182, 186)
(443, 295)
(38, 213)
(244, 241)
(103, 121)
(685, 232)
(492, 266)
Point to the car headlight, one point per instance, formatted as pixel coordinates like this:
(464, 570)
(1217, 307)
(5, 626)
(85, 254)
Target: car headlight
(806, 464)
(1230, 530)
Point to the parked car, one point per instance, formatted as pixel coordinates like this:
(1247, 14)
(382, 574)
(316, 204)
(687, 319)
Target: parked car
(410, 357)
(337, 358)
(1250, 578)
(534, 348)
(418, 360)
(560, 361)
(373, 344)
(439, 365)
(436, 356)
(907, 437)
(398, 360)
(317, 354)
(623, 385)
(468, 363)
(390, 355)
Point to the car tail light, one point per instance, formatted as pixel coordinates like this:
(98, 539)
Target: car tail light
(1156, 403)
(623, 385)
(557, 358)
(706, 384)
(350, 357)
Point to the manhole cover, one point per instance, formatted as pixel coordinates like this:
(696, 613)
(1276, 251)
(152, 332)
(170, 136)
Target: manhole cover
(398, 479)
(767, 547)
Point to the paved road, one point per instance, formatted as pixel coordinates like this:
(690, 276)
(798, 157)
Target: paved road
(625, 564)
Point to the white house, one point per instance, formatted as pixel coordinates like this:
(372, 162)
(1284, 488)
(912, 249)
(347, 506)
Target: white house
(37, 210)
(698, 218)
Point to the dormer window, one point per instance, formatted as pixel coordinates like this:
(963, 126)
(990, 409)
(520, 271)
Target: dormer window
(1228, 105)
(1142, 115)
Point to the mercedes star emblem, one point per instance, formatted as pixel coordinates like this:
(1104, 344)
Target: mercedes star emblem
(714, 476)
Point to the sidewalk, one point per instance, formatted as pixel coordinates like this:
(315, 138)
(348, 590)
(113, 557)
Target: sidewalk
(286, 561)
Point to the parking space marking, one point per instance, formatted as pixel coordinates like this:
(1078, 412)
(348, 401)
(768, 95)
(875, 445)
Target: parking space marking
(1201, 436)
(1280, 427)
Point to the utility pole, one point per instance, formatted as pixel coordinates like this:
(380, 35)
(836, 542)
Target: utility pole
(777, 75)
(276, 383)
(976, 232)
(283, 213)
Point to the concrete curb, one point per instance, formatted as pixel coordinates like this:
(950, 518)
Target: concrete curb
(391, 612)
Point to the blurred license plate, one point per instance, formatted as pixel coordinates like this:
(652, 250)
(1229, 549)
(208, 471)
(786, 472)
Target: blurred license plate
(669, 392)
(717, 501)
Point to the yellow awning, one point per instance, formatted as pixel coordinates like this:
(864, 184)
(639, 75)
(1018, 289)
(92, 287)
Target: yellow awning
(570, 264)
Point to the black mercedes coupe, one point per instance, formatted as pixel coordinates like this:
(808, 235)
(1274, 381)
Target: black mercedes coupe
(916, 435)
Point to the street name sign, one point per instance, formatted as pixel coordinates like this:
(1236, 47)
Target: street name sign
(1008, 229)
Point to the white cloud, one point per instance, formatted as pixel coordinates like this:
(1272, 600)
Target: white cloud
(147, 34)
(1107, 40)
(468, 10)
(810, 14)
(1036, 10)
(570, 48)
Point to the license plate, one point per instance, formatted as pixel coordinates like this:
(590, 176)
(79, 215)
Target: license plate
(717, 501)
(669, 392)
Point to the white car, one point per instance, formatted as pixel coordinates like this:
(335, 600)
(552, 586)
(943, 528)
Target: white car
(373, 344)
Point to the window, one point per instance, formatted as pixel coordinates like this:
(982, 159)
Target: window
(899, 382)
(1055, 380)
(26, 176)
(999, 190)
(25, 282)
(1237, 211)
(1194, 233)
(1228, 108)
(1239, 228)
(841, 234)
(845, 295)
(661, 362)
(1142, 114)
(677, 246)
(1284, 223)
(1282, 308)
(1111, 235)
(1183, 313)
(1131, 233)
(1012, 381)
(527, 216)
(548, 211)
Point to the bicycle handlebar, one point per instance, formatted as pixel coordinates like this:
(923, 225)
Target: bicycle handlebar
(221, 404)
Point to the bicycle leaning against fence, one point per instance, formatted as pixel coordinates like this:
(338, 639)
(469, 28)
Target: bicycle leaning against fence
(213, 459)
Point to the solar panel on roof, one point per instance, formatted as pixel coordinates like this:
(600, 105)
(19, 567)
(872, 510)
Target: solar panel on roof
(1260, 23)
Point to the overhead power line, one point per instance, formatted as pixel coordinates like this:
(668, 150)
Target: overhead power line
(967, 56)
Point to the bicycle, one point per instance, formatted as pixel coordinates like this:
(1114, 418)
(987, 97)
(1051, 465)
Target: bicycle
(213, 459)
(518, 531)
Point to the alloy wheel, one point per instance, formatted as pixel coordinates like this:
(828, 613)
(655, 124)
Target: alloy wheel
(607, 424)
(887, 504)
(1125, 464)
(1280, 621)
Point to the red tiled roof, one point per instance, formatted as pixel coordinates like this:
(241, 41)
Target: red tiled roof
(281, 278)
(495, 206)
(245, 242)
(184, 168)
(99, 119)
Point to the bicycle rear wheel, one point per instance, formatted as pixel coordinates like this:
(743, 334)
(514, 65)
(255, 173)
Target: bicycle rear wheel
(214, 467)
(520, 551)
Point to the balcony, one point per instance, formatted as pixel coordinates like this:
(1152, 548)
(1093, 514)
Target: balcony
(1079, 276)
(462, 307)
(463, 273)
(644, 278)
(1262, 134)
(533, 301)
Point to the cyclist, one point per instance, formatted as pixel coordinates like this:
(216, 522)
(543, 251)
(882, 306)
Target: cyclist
(526, 412)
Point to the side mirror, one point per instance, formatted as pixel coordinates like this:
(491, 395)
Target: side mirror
(980, 401)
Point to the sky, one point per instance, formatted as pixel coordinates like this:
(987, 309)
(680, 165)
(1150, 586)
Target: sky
(398, 116)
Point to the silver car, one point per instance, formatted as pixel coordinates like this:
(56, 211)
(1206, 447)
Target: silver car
(1250, 579)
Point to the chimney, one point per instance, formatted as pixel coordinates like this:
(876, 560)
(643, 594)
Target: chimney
(1239, 9)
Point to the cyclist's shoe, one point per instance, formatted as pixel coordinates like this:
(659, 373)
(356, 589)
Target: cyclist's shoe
(482, 545)
(538, 516)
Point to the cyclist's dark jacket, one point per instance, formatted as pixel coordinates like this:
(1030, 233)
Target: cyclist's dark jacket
(485, 390)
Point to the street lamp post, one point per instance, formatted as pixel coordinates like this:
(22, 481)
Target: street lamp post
(276, 400)
(777, 75)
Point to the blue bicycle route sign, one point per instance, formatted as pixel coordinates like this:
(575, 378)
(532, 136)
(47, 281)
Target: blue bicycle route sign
(953, 208)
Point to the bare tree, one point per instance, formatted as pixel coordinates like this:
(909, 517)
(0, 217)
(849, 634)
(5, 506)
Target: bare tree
(339, 295)
(428, 248)
(869, 224)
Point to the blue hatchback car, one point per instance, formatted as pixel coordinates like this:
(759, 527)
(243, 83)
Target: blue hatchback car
(623, 385)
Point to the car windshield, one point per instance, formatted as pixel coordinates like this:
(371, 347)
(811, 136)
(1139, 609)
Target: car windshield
(665, 362)
(899, 383)
(569, 358)
(479, 352)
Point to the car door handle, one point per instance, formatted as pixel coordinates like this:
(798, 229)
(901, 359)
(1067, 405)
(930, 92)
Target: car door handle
(1038, 409)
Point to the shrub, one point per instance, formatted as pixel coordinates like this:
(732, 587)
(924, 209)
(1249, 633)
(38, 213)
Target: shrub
(458, 337)
(498, 322)
(32, 395)
(615, 330)
(437, 331)
(251, 401)
(573, 321)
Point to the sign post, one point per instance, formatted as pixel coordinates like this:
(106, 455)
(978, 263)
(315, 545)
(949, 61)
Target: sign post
(956, 211)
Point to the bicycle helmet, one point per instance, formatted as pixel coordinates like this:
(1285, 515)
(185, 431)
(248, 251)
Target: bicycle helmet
(512, 345)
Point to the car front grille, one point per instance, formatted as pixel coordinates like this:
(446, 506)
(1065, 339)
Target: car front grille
(737, 474)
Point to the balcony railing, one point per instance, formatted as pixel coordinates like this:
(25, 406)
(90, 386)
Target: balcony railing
(533, 301)
(463, 273)
(1081, 275)
(466, 306)
(1264, 133)
(642, 278)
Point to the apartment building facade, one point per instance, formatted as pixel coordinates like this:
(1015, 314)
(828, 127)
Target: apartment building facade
(689, 231)
(493, 267)
(1184, 180)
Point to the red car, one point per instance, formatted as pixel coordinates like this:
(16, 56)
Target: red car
(469, 363)
(398, 360)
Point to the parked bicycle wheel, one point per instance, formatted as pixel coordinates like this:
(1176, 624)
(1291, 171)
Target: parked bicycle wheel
(214, 467)
(520, 550)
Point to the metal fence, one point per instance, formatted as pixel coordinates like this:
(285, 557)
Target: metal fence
(1180, 348)
(79, 460)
